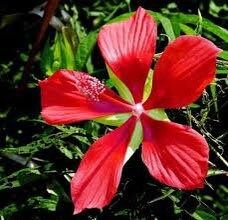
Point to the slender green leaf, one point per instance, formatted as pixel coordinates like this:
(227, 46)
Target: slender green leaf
(206, 24)
(68, 60)
(167, 25)
(187, 30)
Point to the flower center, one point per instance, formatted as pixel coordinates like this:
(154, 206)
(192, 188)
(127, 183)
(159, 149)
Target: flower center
(89, 86)
(137, 110)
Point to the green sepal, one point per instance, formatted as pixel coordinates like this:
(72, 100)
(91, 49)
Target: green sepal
(136, 137)
(114, 120)
(136, 140)
(158, 114)
(148, 85)
(122, 89)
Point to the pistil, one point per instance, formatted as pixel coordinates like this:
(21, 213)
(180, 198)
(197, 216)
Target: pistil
(138, 110)
(89, 86)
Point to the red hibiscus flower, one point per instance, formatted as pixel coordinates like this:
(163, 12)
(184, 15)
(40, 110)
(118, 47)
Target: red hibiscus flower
(174, 154)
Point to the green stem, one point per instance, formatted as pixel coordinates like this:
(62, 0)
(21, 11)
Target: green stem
(217, 172)
(220, 156)
(163, 196)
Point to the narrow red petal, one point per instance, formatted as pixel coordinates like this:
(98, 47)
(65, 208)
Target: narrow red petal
(174, 154)
(98, 176)
(128, 48)
(68, 96)
(185, 68)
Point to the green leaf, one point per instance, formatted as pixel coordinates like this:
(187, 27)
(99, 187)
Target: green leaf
(70, 130)
(206, 24)
(61, 53)
(33, 147)
(47, 58)
(202, 215)
(66, 152)
(222, 71)
(176, 28)
(57, 53)
(84, 50)
(57, 189)
(20, 178)
(224, 55)
(38, 202)
(9, 210)
(180, 18)
(70, 37)
(187, 30)
(67, 47)
(215, 29)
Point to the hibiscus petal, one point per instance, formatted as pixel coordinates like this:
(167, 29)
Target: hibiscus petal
(98, 176)
(174, 154)
(185, 68)
(68, 96)
(128, 48)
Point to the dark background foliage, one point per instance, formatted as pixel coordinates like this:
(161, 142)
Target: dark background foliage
(36, 159)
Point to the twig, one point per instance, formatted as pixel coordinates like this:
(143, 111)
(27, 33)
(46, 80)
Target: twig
(49, 11)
